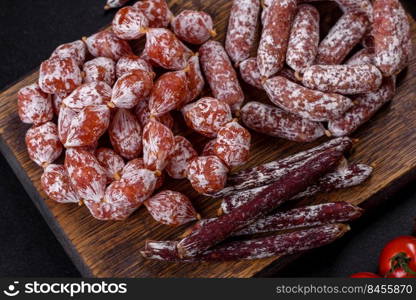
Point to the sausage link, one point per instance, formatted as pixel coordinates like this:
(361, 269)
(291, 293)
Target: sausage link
(271, 54)
(304, 38)
(241, 29)
(232, 144)
(306, 103)
(344, 177)
(352, 175)
(207, 174)
(156, 11)
(33, 105)
(342, 37)
(391, 31)
(129, 23)
(269, 172)
(220, 74)
(307, 216)
(275, 122)
(296, 180)
(343, 79)
(275, 245)
(367, 105)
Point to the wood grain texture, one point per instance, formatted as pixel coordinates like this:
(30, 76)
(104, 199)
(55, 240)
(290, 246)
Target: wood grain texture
(111, 249)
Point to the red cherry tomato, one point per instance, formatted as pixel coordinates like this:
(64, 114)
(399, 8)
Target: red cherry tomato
(398, 258)
(365, 275)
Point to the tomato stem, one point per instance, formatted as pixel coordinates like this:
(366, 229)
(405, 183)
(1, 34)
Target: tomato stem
(400, 260)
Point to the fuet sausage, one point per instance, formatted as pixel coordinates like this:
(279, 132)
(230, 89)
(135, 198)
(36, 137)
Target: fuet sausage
(304, 38)
(275, 122)
(391, 31)
(194, 27)
(220, 74)
(271, 54)
(241, 29)
(306, 103)
(367, 105)
(342, 37)
(343, 79)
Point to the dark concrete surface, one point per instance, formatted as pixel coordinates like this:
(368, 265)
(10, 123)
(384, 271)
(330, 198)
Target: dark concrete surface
(30, 30)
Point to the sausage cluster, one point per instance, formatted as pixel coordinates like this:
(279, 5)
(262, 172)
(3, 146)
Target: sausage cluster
(113, 114)
(329, 85)
(107, 107)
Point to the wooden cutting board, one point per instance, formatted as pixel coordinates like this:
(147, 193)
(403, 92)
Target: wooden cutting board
(111, 249)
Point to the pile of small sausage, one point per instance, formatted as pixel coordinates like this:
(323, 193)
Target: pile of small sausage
(99, 87)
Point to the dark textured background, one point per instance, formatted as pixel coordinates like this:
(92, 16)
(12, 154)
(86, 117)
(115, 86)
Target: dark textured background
(30, 30)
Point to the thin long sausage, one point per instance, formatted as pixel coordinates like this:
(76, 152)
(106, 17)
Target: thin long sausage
(349, 176)
(271, 171)
(282, 244)
(307, 216)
